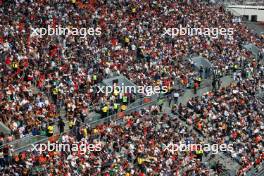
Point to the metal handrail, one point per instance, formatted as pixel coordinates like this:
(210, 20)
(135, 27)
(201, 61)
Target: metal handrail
(109, 119)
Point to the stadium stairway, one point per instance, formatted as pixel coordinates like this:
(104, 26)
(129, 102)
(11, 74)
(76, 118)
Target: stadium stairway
(231, 165)
(227, 162)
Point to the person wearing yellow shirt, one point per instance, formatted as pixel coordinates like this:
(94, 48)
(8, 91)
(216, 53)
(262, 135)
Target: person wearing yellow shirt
(123, 107)
(71, 123)
(50, 130)
(134, 10)
(105, 111)
(116, 93)
(94, 77)
(140, 160)
(125, 99)
(116, 107)
(14, 65)
(127, 41)
(55, 92)
(199, 153)
(95, 131)
(85, 133)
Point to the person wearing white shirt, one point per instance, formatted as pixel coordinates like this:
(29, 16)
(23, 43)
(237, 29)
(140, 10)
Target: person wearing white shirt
(176, 96)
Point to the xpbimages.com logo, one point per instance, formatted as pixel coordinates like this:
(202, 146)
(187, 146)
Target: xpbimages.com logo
(58, 30)
(146, 90)
(81, 147)
(211, 32)
(214, 148)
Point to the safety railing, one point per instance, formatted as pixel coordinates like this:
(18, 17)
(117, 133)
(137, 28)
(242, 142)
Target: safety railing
(261, 171)
(107, 120)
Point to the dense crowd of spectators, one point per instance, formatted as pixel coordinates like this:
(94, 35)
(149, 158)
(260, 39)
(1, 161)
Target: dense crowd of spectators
(41, 75)
(232, 115)
(134, 148)
(67, 67)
